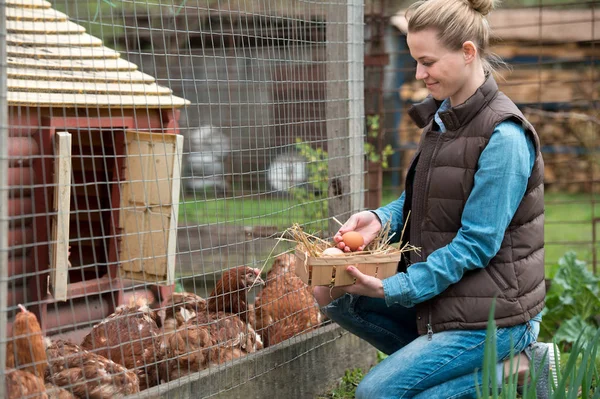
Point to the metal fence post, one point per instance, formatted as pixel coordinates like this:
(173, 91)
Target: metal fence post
(3, 195)
(345, 108)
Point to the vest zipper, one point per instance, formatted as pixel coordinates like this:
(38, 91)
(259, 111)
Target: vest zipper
(429, 329)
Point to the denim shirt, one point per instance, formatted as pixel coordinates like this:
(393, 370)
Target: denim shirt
(501, 179)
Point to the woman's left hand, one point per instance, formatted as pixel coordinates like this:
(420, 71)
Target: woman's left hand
(364, 285)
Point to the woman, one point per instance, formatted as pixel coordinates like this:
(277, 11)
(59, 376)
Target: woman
(474, 193)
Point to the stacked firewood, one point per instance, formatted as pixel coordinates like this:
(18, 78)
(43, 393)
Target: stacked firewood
(557, 103)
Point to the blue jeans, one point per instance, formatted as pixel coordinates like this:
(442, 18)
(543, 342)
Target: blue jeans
(448, 366)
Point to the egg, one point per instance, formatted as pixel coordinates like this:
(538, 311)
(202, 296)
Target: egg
(353, 240)
(333, 251)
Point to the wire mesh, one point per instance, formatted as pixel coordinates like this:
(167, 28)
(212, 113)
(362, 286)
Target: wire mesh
(156, 151)
(155, 146)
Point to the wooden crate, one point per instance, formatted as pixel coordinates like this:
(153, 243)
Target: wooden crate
(331, 270)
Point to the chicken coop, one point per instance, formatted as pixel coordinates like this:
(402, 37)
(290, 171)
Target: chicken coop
(94, 169)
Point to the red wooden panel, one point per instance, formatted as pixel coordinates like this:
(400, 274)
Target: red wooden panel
(20, 206)
(23, 121)
(21, 150)
(20, 177)
(18, 236)
(21, 265)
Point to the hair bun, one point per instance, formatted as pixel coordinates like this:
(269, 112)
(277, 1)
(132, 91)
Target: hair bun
(482, 6)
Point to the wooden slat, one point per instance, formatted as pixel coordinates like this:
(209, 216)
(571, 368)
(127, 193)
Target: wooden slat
(535, 25)
(568, 51)
(89, 100)
(60, 223)
(149, 199)
(47, 86)
(79, 53)
(25, 39)
(43, 28)
(547, 25)
(34, 14)
(175, 191)
(28, 3)
(118, 64)
(80, 76)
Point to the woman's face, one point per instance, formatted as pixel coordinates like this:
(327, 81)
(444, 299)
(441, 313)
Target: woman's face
(445, 72)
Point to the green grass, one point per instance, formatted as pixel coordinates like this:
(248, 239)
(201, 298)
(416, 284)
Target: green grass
(569, 226)
(280, 213)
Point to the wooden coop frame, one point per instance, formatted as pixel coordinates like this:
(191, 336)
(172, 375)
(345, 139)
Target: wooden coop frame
(78, 111)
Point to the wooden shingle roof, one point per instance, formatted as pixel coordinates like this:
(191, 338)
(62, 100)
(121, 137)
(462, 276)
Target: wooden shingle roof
(52, 62)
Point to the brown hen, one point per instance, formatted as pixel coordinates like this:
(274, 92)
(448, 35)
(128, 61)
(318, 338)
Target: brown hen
(86, 374)
(130, 337)
(172, 306)
(286, 306)
(27, 351)
(216, 335)
(231, 292)
(22, 384)
(55, 392)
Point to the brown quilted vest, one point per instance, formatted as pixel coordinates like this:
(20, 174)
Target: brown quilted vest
(439, 182)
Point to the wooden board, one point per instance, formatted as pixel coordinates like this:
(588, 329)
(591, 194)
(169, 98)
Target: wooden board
(149, 206)
(118, 64)
(79, 53)
(34, 14)
(26, 39)
(546, 25)
(42, 27)
(52, 86)
(28, 3)
(59, 246)
(59, 100)
(80, 76)
(568, 51)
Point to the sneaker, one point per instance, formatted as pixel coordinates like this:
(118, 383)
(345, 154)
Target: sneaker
(545, 358)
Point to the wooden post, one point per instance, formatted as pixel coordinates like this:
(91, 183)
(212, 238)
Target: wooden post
(3, 196)
(345, 108)
(59, 259)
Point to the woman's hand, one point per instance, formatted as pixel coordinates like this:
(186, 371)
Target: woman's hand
(364, 285)
(366, 223)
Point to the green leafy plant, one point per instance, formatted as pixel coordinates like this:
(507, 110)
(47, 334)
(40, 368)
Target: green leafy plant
(313, 196)
(572, 304)
(373, 131)
(346, 389)
(578, 378)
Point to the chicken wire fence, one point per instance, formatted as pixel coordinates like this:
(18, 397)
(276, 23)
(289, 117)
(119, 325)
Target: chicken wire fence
(149, 148)
(153, 153)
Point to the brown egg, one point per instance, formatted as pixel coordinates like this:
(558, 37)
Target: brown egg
(353, 240)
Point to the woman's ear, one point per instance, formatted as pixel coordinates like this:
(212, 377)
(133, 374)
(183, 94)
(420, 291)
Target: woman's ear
(469, 51)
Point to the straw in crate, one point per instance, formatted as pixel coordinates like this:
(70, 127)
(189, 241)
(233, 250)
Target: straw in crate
(378, 259)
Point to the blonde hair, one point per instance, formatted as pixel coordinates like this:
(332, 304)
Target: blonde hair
(456, 21)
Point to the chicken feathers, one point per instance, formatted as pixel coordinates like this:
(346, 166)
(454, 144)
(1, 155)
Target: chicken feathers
(27, 351)
(86, 374)
(286, 306)
(23, 384)
(216, 335)
(130, 337)
(171, 307)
